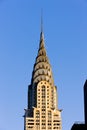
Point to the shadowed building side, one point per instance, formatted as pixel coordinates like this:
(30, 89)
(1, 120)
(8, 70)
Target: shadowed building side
(85, 101)
(81, 126)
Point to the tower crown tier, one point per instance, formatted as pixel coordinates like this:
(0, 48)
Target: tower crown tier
(42, 68)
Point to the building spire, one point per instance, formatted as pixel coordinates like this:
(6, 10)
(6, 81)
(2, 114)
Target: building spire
(41, 33)
(42, 68)
(41, 21)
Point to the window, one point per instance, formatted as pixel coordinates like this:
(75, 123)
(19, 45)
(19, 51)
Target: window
(30, 123)
(43, 106)
(43, 116)
(43, 87)
(37, 123)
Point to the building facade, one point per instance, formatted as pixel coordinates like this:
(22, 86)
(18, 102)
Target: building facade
(42, 112)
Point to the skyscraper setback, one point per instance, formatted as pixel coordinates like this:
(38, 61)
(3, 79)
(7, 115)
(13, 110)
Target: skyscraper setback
(42, 112)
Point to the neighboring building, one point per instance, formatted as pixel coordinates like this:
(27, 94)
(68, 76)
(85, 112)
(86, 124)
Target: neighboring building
(42, 112)
(85, 101)
(81, 126)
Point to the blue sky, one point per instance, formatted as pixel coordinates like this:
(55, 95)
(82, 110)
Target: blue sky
(65, 30)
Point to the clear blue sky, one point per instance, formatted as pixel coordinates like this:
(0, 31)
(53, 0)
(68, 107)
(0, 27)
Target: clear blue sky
(65, 30)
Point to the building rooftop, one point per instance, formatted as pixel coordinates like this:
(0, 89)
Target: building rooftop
(79, 127)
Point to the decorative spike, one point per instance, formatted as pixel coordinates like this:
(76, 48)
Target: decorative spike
(41, 21)
(41, 34)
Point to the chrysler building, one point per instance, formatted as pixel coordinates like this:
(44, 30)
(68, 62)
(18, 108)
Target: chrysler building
(42, 111)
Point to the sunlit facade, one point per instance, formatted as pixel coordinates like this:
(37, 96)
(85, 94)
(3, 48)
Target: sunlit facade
(42, 112)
